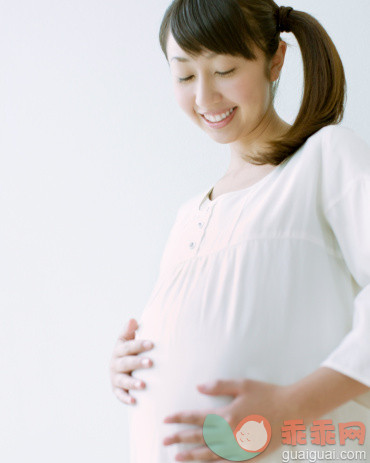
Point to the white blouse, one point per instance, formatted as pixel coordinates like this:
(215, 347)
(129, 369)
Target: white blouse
(269, 282)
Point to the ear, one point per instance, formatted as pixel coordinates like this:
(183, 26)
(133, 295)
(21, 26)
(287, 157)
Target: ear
(277, 61)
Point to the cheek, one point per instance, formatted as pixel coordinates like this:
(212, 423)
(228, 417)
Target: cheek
(250, 91)
(183, 98)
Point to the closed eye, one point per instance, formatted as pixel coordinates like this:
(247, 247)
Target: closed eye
(186, 79)
(226, 72)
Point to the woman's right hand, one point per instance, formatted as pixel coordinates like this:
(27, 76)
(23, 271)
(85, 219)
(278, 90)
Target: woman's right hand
(125, 360)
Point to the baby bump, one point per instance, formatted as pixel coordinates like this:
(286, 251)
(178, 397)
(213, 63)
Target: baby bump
(181, 361)
(197, 339)
(170, 387)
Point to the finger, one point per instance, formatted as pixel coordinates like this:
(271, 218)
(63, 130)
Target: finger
(127, 382)
(190, 417)
(221, 387)
(199, 453)
(131, 347)
(129, 330)
(189, 436)
(124, 397)
(130, 363)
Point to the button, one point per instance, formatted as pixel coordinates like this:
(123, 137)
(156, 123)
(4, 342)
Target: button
(191, 244)
(200, 224)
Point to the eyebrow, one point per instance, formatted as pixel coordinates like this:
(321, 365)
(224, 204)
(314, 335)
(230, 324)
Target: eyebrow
(183, 60)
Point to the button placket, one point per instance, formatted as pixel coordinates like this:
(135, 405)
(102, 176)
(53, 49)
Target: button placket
(200, 223)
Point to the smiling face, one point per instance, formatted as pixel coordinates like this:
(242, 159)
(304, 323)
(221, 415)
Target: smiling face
(217, 84)
(252, 436)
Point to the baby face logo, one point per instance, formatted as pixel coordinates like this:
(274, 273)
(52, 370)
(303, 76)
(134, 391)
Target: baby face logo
(250, 437)
(253, 433)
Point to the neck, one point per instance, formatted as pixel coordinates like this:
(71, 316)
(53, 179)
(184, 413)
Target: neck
(271, 126)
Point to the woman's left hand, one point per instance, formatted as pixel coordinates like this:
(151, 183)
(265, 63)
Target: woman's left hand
(250, 398)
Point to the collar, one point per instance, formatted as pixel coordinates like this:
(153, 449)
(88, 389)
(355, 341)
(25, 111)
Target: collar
(203, 197)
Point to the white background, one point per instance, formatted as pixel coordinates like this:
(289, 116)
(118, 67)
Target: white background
(96, 157)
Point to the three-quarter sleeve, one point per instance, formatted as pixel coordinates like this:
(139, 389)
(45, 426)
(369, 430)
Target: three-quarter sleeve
(349, 219)
(347, 211)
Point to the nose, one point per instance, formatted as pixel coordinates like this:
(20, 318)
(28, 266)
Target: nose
(207, 95)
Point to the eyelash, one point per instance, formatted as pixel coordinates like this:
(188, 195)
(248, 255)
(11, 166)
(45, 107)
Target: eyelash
(187, 79)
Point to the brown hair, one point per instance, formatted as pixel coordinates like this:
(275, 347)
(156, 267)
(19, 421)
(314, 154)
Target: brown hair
(235, 26)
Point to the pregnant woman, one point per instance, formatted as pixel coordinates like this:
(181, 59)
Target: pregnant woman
(263, 293)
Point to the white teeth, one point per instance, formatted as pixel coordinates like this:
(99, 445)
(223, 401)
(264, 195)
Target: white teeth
(219, 117)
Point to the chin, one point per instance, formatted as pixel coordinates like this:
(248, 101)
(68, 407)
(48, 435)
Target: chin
(222, 138)
(222, 142)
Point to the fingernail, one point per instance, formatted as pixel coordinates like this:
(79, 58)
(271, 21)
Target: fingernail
(181, 457)
(146, 362)
(147, 344)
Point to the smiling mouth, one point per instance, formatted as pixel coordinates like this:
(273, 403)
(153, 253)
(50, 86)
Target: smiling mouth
(218, 117)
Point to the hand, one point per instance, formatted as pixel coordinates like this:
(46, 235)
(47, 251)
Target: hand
(124, 361)
(250, 398)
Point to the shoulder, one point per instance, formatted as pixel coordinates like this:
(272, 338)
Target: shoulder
(332, 161)
(345, 149)
(343, 162)
(338, 152)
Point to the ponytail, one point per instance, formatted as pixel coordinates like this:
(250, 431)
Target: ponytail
(324, 93)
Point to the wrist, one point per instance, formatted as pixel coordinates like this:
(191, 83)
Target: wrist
(295, 403)
(301, 405)
(320, 392)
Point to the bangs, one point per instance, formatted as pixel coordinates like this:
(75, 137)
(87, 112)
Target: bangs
(215, 25)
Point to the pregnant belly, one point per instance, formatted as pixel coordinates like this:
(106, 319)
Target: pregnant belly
(181, 360)
(199, 335)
